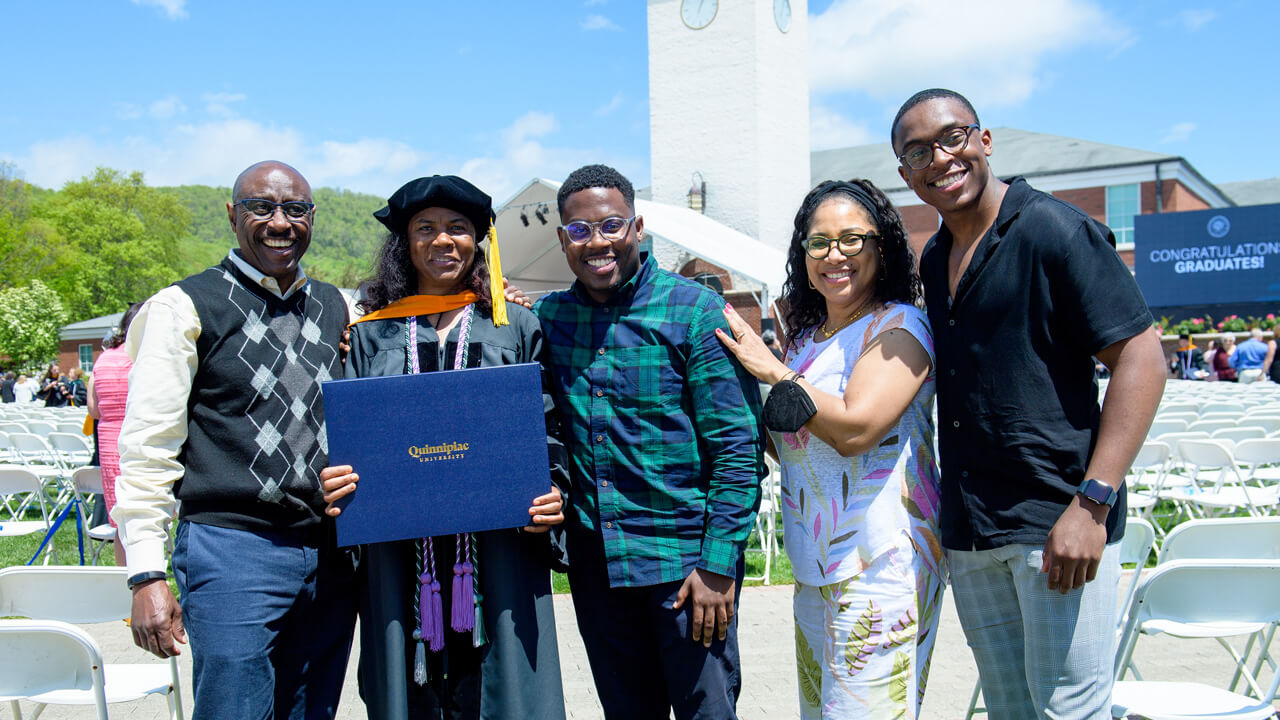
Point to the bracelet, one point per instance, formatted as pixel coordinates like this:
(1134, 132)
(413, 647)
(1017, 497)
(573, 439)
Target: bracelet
(144, 577)
(791, 376)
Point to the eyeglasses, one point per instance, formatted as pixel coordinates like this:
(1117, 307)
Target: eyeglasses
(918, 156)
(293, 209)
(819, 247)
(612, 228)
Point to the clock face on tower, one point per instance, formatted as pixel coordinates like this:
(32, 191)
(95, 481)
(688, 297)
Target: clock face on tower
(782, 14)
(698, 14)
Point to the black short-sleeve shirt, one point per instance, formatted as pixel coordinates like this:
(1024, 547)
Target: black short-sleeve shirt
(1017, 399)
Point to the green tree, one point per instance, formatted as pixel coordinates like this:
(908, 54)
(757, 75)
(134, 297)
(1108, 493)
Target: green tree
(120, 238)
(28, 246)
(30, 318)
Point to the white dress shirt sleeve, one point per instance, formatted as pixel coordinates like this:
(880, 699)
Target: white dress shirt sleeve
(162, 342)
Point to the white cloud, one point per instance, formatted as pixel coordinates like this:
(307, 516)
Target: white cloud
(128, 111)
(219, 104)
(173, 9)
(992, 53)
(613, 104)
(829, 129)
(1178, 132)
(598, 22)
(1191, 19)
(166, 108)
(594, 3)
(213, 151)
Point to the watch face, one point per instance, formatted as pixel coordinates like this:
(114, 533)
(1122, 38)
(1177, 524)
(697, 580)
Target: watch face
(782, 14)
(698, 14)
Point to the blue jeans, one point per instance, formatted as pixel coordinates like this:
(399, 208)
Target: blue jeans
(643, 658)
(1040, 653)
(269, 616)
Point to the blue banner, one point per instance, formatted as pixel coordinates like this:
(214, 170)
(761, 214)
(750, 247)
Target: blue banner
(1216, 256)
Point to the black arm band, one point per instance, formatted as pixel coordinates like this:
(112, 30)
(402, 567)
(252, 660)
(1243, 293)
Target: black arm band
(788, 408)
(142, 577)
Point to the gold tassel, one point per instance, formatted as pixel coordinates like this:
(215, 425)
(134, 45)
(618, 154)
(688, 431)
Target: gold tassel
(495, 279)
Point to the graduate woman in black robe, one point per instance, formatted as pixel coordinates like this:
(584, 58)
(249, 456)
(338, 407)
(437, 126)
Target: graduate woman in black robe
(430, 308)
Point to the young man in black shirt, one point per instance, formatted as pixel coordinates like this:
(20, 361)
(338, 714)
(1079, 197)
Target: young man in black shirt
(1022, 291)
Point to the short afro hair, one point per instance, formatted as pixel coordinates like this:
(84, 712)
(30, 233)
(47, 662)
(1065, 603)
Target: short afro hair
(924, 96)
(595, 176)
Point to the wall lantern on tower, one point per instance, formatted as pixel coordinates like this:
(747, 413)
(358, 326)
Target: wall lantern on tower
(697, 196)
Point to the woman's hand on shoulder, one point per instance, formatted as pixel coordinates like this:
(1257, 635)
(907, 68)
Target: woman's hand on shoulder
(546, 511)
(337, 482)
(750, 350)
(513, 294)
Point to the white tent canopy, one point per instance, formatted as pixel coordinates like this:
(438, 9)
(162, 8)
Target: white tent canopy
(532, 259)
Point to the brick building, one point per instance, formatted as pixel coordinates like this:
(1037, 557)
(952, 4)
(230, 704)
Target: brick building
(1111, 183)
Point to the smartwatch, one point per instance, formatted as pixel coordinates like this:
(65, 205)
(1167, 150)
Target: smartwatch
(1098, 491)
(142, 577)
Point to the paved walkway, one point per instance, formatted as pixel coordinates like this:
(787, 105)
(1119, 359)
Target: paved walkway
(769, 680)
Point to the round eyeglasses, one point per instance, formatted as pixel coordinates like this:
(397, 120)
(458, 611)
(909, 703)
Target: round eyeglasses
(819, 247)
(919, 155)
(293, 209)
(611, 228)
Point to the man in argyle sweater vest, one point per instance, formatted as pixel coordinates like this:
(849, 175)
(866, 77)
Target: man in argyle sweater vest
(225, 416)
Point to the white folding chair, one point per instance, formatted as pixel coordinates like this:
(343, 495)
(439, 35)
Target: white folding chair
(1179, 407)
(1237, 433)
(70, 427)
(87, 595)
(40, 427)
(40, 658)
(1261, 458)
(1211, 425)
(21, 488)
(87, 482)
(1186, 417)
(1227, 493)
(72, 448)
(1269, 425)
(1231, 407)
(1200, 592)
(1232, 416)
(1161, 426)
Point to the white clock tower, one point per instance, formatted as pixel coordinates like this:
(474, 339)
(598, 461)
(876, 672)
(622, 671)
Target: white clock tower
(729, 101)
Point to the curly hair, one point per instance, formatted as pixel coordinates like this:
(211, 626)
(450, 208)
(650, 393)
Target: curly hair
(395, 277)
(897, 280)
(595, 176)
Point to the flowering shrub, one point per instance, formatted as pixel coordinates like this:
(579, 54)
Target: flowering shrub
(1233, 323)
(30, 318)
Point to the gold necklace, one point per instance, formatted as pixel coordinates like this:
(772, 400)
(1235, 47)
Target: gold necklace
(826, 334)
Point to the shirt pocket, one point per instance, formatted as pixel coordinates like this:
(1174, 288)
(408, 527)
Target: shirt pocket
(645, 377)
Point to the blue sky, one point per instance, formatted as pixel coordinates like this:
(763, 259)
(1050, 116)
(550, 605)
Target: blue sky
(368, 95)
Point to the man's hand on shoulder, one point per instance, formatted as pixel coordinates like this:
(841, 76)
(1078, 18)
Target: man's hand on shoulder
(157, 619)
(712, 596)
(1074, 548)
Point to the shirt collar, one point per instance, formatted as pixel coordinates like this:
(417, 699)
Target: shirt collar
(266, 281)
(625, 292)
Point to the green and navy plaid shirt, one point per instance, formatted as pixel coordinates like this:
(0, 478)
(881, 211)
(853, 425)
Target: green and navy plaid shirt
(661, 425)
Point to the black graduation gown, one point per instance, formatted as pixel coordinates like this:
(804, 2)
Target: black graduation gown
(519, 669)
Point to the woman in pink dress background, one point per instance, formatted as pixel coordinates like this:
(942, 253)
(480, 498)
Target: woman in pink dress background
(107, 391)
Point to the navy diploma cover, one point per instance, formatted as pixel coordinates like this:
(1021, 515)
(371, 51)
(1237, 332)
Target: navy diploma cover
(438, 453)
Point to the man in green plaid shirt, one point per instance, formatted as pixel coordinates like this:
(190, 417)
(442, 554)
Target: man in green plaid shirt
(666, 456)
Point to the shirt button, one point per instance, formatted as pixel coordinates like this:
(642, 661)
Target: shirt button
(953, 372)
(964, 473)
(601, 351)
(604, 483)
(599, 438)
(609, 525)
(955, 423)
(599, 393)
(952, 323)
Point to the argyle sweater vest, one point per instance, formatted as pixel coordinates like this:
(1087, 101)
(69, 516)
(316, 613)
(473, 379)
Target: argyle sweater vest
(255, 417)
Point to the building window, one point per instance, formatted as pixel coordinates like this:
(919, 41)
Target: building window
(1122, 206)
(86, 357)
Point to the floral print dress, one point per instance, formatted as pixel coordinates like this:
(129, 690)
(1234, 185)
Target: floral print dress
(862, 537)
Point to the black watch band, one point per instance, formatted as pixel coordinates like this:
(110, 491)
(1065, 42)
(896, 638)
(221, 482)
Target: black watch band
(142, 577)
(1098, 491)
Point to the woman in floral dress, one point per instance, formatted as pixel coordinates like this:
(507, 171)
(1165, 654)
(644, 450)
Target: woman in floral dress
(859, 479)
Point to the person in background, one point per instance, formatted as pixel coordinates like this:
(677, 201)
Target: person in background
(75, 389)
(1270, 367)
(770, 340)
(1222, 358)
(51, 387)
(1249, 358)
(1188, 361)
(108, 388)
(864, 549)
(1209, 355)
(25, 389)
(6, 388)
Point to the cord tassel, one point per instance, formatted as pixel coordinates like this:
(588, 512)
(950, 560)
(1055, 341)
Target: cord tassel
(494, 261)
(419, 661)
